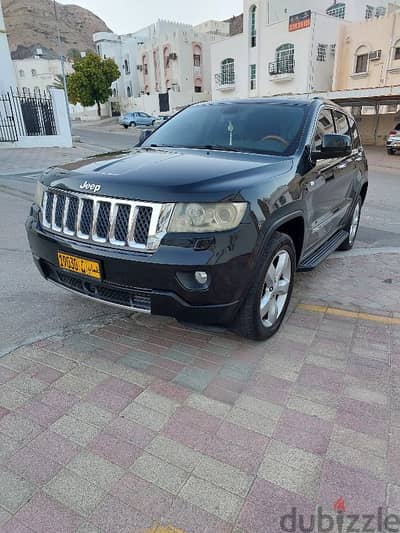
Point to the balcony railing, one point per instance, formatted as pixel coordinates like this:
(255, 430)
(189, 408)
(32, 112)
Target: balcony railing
(225, 80)
(277, 68)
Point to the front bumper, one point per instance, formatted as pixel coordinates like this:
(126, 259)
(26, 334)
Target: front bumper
(161, 283)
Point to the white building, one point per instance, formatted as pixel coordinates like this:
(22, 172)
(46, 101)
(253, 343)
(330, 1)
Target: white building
(36, 74)
(164, 66)
(7, 78)
(287, 47)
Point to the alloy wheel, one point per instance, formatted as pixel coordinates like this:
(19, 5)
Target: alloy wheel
(354, 223)
(275, 288)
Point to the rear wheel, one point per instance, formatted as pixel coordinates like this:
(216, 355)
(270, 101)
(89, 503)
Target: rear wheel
(352, 228)
(267, 301)
(133, 124)
(126, 126)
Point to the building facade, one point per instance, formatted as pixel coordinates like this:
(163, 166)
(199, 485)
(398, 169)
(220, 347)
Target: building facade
(164, 66)
(37, 74)
(287, 47)
(368, 53)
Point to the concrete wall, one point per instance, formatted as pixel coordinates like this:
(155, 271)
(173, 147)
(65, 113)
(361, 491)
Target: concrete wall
(7, 78)
(374, 34)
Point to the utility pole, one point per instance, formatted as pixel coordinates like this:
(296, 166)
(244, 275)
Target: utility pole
(62, 59)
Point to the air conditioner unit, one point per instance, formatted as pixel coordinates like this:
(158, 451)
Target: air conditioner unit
(375, 55)
(173, 56)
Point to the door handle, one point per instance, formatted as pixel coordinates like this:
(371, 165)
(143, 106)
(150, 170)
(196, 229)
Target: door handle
(342, 165)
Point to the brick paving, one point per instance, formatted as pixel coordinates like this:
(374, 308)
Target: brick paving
(148, 425)
(145, 423)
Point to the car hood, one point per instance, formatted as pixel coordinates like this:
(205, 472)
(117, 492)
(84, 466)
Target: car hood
(172, 175)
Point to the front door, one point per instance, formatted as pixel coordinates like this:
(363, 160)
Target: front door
(319, 186)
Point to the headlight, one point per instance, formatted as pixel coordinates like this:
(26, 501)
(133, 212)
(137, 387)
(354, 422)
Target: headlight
(40, 188)
(203, 218)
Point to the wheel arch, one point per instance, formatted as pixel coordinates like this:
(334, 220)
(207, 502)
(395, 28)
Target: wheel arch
(293, 225)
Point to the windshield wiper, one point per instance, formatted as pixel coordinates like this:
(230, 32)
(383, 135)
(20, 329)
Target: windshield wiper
(215, 147)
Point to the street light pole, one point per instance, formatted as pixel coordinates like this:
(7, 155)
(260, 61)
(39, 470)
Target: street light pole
(62, 64)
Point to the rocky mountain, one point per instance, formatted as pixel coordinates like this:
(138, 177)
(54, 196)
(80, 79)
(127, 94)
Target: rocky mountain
(30, 24)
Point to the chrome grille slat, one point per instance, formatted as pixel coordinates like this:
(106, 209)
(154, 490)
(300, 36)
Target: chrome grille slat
(107, 221)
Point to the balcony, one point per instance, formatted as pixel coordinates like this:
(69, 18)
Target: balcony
(281, 70)
(225, 82)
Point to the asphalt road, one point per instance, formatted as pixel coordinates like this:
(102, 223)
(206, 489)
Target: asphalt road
(31, 308)
(120, 139)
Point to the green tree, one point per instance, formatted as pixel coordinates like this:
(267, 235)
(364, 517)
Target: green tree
(90, 83)
(73, 54)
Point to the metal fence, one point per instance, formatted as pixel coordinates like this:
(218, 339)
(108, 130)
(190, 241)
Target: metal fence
(26, 114)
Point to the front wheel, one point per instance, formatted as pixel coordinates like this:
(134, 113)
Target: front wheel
(126, 126)
(390, 152)
(267, 301)
(153, 123)
(352, 228)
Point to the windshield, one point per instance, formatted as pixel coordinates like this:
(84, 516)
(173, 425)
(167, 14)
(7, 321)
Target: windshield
(265, 128)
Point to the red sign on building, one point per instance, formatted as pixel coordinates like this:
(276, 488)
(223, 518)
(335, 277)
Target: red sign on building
(300, 21)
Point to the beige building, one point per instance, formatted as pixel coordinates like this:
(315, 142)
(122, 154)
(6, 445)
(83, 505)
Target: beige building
(368, 53)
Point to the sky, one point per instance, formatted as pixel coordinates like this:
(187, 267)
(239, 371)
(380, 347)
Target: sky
(126, 16)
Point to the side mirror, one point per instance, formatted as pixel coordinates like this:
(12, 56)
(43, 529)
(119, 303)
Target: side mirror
(333, 145)
(144, 135)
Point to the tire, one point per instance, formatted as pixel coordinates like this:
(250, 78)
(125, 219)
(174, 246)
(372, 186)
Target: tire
(153, 123)
(391, 152)
(250, 322)
(133, 124)
(126, 127)
(352, 227)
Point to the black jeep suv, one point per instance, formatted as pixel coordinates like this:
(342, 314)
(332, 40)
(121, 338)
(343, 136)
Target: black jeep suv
(211, 216)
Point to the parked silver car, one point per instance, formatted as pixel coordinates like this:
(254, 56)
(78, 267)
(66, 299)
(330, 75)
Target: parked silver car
(393, 140)
(137, 119)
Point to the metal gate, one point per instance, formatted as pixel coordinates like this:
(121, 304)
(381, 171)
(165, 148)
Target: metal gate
(23, 114)
(8, 128)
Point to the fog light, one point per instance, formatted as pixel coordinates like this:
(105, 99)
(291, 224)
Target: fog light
(201, 277)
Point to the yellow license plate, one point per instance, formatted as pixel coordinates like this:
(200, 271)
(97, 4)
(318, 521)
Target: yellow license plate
(79, 265)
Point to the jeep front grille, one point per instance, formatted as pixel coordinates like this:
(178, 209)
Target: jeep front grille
(108, 221)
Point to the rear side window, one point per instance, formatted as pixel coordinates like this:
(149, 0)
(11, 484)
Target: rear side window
(324, 125)
(341, 123)
(354, 133)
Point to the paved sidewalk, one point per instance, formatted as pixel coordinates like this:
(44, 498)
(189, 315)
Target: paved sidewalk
(146, 422)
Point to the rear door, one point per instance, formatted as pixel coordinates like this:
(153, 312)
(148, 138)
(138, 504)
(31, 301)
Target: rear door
(345, 173)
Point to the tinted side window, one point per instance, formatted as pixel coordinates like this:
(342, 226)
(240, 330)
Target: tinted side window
(341, 123)
(324, 125)
(354, 134)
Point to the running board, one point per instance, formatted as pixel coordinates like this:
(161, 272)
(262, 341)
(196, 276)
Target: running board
(312, 261)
